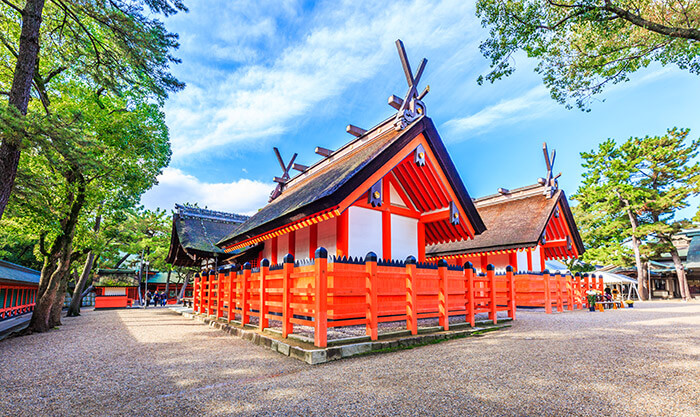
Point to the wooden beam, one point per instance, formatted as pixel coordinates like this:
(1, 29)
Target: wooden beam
(323, 151)
(300, 167)
(355, 131)
(435, 216)
(395, 102)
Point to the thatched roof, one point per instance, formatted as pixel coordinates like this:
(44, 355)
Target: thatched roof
(325, 184)
(513, 221)
(196, 231)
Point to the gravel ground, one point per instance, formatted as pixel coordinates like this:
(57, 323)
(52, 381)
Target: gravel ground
(634, 362)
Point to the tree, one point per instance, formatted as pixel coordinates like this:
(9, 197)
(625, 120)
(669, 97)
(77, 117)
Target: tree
(667, 176)
(582, 46)
(634, 191)
(92, 153)
(112, 46)
(607, 208)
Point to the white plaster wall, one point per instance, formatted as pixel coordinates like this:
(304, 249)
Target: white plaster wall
(267, 252)
(364, 231)
(326, 235)
(404, 237)
(522, 261)
(396, 199)
(301, 243)
(536, 259)
(282, 247)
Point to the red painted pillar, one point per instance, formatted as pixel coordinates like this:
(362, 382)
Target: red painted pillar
(371, 295)
(529, 259)
(342, 234)
(547, 293)
(287, 326)
(321, 298)
(510, 280)
(273, 250)
(313, 240)
(386, 234)
(469, 277)
(264, 309)
(443, 294)
(491, 275)
(411, 303)
(246, 287)
(421, 242)
(291, 246)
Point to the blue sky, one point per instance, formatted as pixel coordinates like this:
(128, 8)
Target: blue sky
(293, 74)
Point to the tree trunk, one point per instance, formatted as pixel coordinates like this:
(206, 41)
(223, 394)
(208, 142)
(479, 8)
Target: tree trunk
(19, 94)
(60, 256)
(167, 283)
(75, 302)
(680, 272)
(636, 243)
(59, 300)
(184, 288)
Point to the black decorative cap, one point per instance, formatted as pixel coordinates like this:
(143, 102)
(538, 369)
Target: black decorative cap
(546, 271)
(411, 260)
(509, 268)
(371, 257)
(246, 265)
(490, 267)
(288, 258)
(585, 274)
(577, 274)
(468, 265)
(442, 263)
(265, 262)
(321, 252)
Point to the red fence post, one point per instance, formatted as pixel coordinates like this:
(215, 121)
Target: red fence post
(469, 278)
(443, 313)
(601, 285)
(560, 298)
(219, 290)
(202, 283)
(510, 279)
(491, 275)
(288, 268)
(371, 294)
(231, 286)
(577, 290)
(245, 318)
(411, 307)
(547, 293)
(570, 292)
(209, 295)
(195, 304)
(264, 309)
(321, 297)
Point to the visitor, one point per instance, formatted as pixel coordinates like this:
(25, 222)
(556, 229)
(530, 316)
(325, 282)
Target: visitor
(148, 298)
(156, 298)
(163, 298)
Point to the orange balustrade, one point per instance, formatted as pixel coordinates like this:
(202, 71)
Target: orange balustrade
(534, 289)
(349, 292)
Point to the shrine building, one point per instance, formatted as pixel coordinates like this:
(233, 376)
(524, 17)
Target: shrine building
(524, 228)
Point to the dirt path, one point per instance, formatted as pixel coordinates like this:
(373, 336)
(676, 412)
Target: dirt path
(639, 362)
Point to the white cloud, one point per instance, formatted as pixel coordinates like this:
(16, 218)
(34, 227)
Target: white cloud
(243, 196)
(533, 104)
(345, 44)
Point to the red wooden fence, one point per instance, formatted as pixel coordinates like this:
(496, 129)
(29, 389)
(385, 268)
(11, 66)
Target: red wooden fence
(547, 290)
(348, 292)
(16, 300)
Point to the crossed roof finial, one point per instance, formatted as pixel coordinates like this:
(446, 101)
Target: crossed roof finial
(411, 107)
(551, 184)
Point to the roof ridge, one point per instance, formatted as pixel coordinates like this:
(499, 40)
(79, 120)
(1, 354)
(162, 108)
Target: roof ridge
(185, 210)
(511, 195)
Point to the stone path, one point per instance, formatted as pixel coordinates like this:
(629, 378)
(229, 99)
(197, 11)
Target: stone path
(642, 362)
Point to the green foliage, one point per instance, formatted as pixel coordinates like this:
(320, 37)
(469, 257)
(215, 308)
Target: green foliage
(647, 180)
(582, 46)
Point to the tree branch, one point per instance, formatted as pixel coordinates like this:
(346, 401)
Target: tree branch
(638, 20)
(12, 5)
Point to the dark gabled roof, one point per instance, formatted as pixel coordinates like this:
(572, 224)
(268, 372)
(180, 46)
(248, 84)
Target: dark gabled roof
(515, 220)
(196, 231)
(16, 274)
(328, 183)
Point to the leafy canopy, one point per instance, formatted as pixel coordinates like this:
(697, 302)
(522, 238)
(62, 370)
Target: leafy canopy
(582, 46)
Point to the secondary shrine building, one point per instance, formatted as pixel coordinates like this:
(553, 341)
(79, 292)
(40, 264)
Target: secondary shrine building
(524, 228)
(391, 191)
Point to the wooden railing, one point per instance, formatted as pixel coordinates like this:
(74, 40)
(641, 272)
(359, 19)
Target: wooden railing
(16, 300)
(350, 292)
(554, 290)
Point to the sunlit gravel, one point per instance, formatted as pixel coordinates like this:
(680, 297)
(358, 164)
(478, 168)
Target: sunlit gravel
(634, 362)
